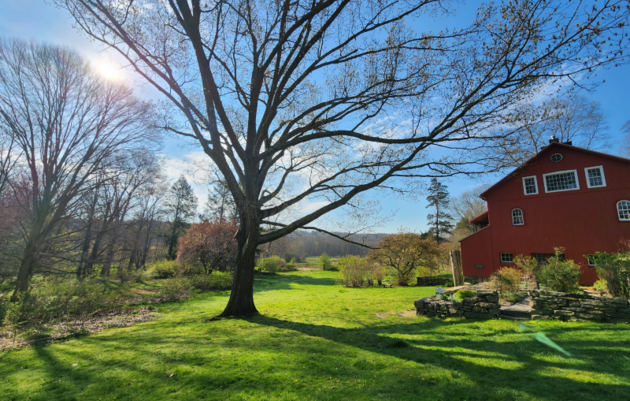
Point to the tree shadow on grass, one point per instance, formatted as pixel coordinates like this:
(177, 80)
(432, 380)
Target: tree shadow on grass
(528, 372)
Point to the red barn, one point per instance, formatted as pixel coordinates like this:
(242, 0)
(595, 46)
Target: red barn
(564, 196)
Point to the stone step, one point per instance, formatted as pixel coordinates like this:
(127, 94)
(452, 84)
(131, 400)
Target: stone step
(507, 317)
(516, 313)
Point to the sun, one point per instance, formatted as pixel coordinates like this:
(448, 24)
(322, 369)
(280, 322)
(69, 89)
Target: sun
(109, 70)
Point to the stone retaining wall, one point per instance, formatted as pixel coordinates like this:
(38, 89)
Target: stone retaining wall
(475, 280)
(550, 305)
(484, 306)
(432, 281)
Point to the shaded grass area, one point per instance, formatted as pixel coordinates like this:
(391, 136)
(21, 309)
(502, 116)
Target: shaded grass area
(318, 341)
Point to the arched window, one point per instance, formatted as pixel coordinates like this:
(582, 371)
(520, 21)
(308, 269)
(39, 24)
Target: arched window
(623, 209)
(517, 217)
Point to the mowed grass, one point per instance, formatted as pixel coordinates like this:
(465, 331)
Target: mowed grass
(318, 341)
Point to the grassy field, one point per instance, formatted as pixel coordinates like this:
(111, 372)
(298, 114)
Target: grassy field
(318, 341)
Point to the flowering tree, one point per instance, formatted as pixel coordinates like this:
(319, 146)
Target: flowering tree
(209, 246)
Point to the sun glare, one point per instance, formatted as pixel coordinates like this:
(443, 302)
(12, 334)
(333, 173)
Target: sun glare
(109, 71)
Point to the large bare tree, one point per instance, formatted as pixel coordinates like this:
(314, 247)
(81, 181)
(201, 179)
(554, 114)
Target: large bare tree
(308, 104)
(571, 119)
(66, 123)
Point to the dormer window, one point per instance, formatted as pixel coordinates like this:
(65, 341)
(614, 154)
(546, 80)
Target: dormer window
(561, 181)
(595, 177)
(517, 217)
(530, 186)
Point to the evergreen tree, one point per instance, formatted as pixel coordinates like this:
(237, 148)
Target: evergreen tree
(440, 221)
(181, 205)
(220, 204)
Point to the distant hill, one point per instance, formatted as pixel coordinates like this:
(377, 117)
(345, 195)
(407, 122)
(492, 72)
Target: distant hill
(304, 243)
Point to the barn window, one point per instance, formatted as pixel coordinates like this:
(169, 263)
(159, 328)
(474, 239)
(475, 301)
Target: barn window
(623, 208)
(530, 186)
(591, 260)
(556, 157)
(507, 258)
(517, 217)
(595, 177)
(561, 181)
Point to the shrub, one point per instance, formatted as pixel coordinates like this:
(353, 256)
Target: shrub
(354, 270)
(4, 301)
(208, 246)
(559, 275)
(507, 279)
(615, 269)
(324, 261)
(528, 266)
(290, 267)
(513, 297)
(214, 281)
(601, 286)
(272, 264)
(175, 289)
(461, 294)
(164, 269)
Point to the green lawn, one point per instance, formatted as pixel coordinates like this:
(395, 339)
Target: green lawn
(317, 341)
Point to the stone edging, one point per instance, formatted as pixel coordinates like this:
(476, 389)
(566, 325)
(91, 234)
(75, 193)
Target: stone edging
(550, 305)
(484, 306)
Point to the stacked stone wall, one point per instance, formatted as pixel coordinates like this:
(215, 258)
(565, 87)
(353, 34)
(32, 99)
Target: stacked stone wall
(484, 306)
(550, 305)
(432, 281)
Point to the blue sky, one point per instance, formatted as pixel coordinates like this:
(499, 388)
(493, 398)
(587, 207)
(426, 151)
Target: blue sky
(36, 20)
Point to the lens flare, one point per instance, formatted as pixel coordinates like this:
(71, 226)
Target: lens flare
(108, 70)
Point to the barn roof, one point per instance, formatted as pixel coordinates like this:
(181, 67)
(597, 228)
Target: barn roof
(549, 149)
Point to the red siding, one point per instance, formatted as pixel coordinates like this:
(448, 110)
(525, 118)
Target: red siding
(583, 221)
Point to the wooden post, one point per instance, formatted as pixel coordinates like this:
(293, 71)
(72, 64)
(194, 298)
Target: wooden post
(456, 264)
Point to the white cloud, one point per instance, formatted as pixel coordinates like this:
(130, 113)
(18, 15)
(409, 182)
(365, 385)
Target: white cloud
(194, 166)
(312, 206)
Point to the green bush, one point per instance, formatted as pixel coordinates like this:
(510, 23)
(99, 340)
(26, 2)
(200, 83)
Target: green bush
(324, 261)
(615, 269)
(3, 308)
(175, 289)
(601, 286)
(164, 269)
(215, 281)
(506, 280)
(290, 267)
(461, 294)
(559, 275)
(354, 271)
(513, 297)
(272, 264)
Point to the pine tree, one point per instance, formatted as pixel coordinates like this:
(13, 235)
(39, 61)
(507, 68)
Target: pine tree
(181, 205)
(220, 204)
(440, 221)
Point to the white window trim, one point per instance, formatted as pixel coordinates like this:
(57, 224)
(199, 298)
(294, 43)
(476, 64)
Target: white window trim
(577, 181)
(588, 261)
(535, 184)
(617, 207)
(588, 181)
(505, 253)
(522, 217)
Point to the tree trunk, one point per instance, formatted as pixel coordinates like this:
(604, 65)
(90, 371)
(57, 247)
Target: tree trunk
(241, 301)
(31, 254)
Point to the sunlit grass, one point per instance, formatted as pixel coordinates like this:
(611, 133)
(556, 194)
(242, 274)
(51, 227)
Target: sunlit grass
(318, 341)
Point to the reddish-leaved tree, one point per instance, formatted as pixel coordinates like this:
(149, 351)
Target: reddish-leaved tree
(209, 246)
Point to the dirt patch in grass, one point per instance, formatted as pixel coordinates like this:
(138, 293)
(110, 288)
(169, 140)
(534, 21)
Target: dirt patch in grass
(60, 331)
